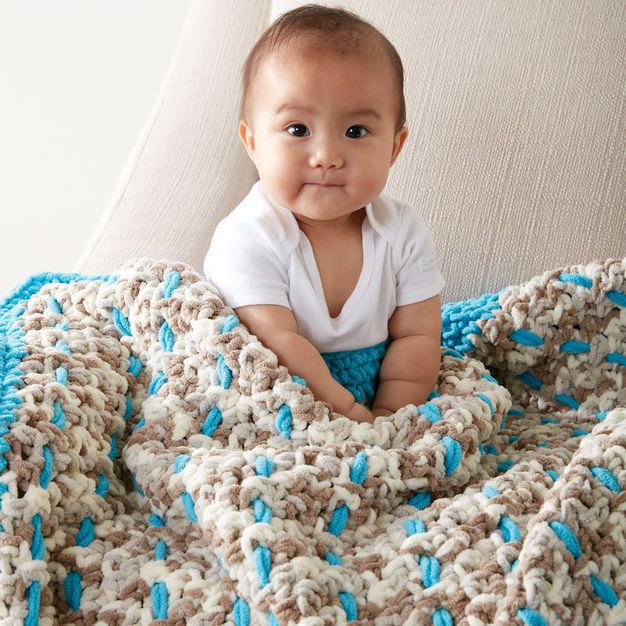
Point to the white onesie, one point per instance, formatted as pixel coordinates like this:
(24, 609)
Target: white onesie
(259, 255)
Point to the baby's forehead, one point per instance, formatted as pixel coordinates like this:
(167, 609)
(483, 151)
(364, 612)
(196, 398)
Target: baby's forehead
(286, 59)
(280, 75)
(357, 83)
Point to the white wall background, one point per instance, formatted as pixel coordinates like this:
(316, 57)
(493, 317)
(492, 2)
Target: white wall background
(77, 81)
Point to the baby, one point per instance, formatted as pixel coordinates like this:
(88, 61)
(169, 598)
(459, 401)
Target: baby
(316, 261)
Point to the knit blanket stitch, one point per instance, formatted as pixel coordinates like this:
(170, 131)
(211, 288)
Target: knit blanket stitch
(158, 465)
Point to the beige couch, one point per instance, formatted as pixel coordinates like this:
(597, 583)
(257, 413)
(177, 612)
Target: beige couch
(515, 157)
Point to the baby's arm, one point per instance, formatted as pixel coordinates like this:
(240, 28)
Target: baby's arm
(410, 368)
(276, 327)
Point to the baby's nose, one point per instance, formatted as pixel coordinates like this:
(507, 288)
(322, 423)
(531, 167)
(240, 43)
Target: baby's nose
(326, 155)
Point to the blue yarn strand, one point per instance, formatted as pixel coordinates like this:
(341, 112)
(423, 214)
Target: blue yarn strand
(567, 536)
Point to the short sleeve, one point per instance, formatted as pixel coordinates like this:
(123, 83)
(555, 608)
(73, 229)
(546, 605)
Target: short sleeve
(245, 267)
(415, 261)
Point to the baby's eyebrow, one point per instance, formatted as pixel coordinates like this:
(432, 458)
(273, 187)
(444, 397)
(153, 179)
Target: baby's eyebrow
(361, 112)
(364, 112)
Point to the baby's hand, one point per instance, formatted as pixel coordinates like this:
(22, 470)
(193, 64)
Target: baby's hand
(377, 412)
(360, 413)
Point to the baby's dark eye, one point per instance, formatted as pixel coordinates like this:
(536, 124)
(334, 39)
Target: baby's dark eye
(295, 126)
(301, 126)
(357, 126)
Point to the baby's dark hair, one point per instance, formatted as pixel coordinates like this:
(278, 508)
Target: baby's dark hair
(322, 30)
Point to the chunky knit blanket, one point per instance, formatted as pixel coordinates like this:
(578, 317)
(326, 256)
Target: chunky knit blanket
(158, 465)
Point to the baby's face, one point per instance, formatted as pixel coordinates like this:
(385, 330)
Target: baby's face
(310, 125)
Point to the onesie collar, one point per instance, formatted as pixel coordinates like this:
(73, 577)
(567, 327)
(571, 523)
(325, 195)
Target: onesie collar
(378, 216)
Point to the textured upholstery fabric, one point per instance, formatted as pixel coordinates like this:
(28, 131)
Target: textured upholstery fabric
(515, 155)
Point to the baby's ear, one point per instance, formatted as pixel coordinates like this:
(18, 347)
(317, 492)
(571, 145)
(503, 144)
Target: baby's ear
(398, 142)
(247, 138)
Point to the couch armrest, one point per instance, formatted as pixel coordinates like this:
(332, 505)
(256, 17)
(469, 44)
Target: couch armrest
(188, 168)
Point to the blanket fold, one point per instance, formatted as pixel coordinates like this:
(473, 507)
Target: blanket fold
(159, 464)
